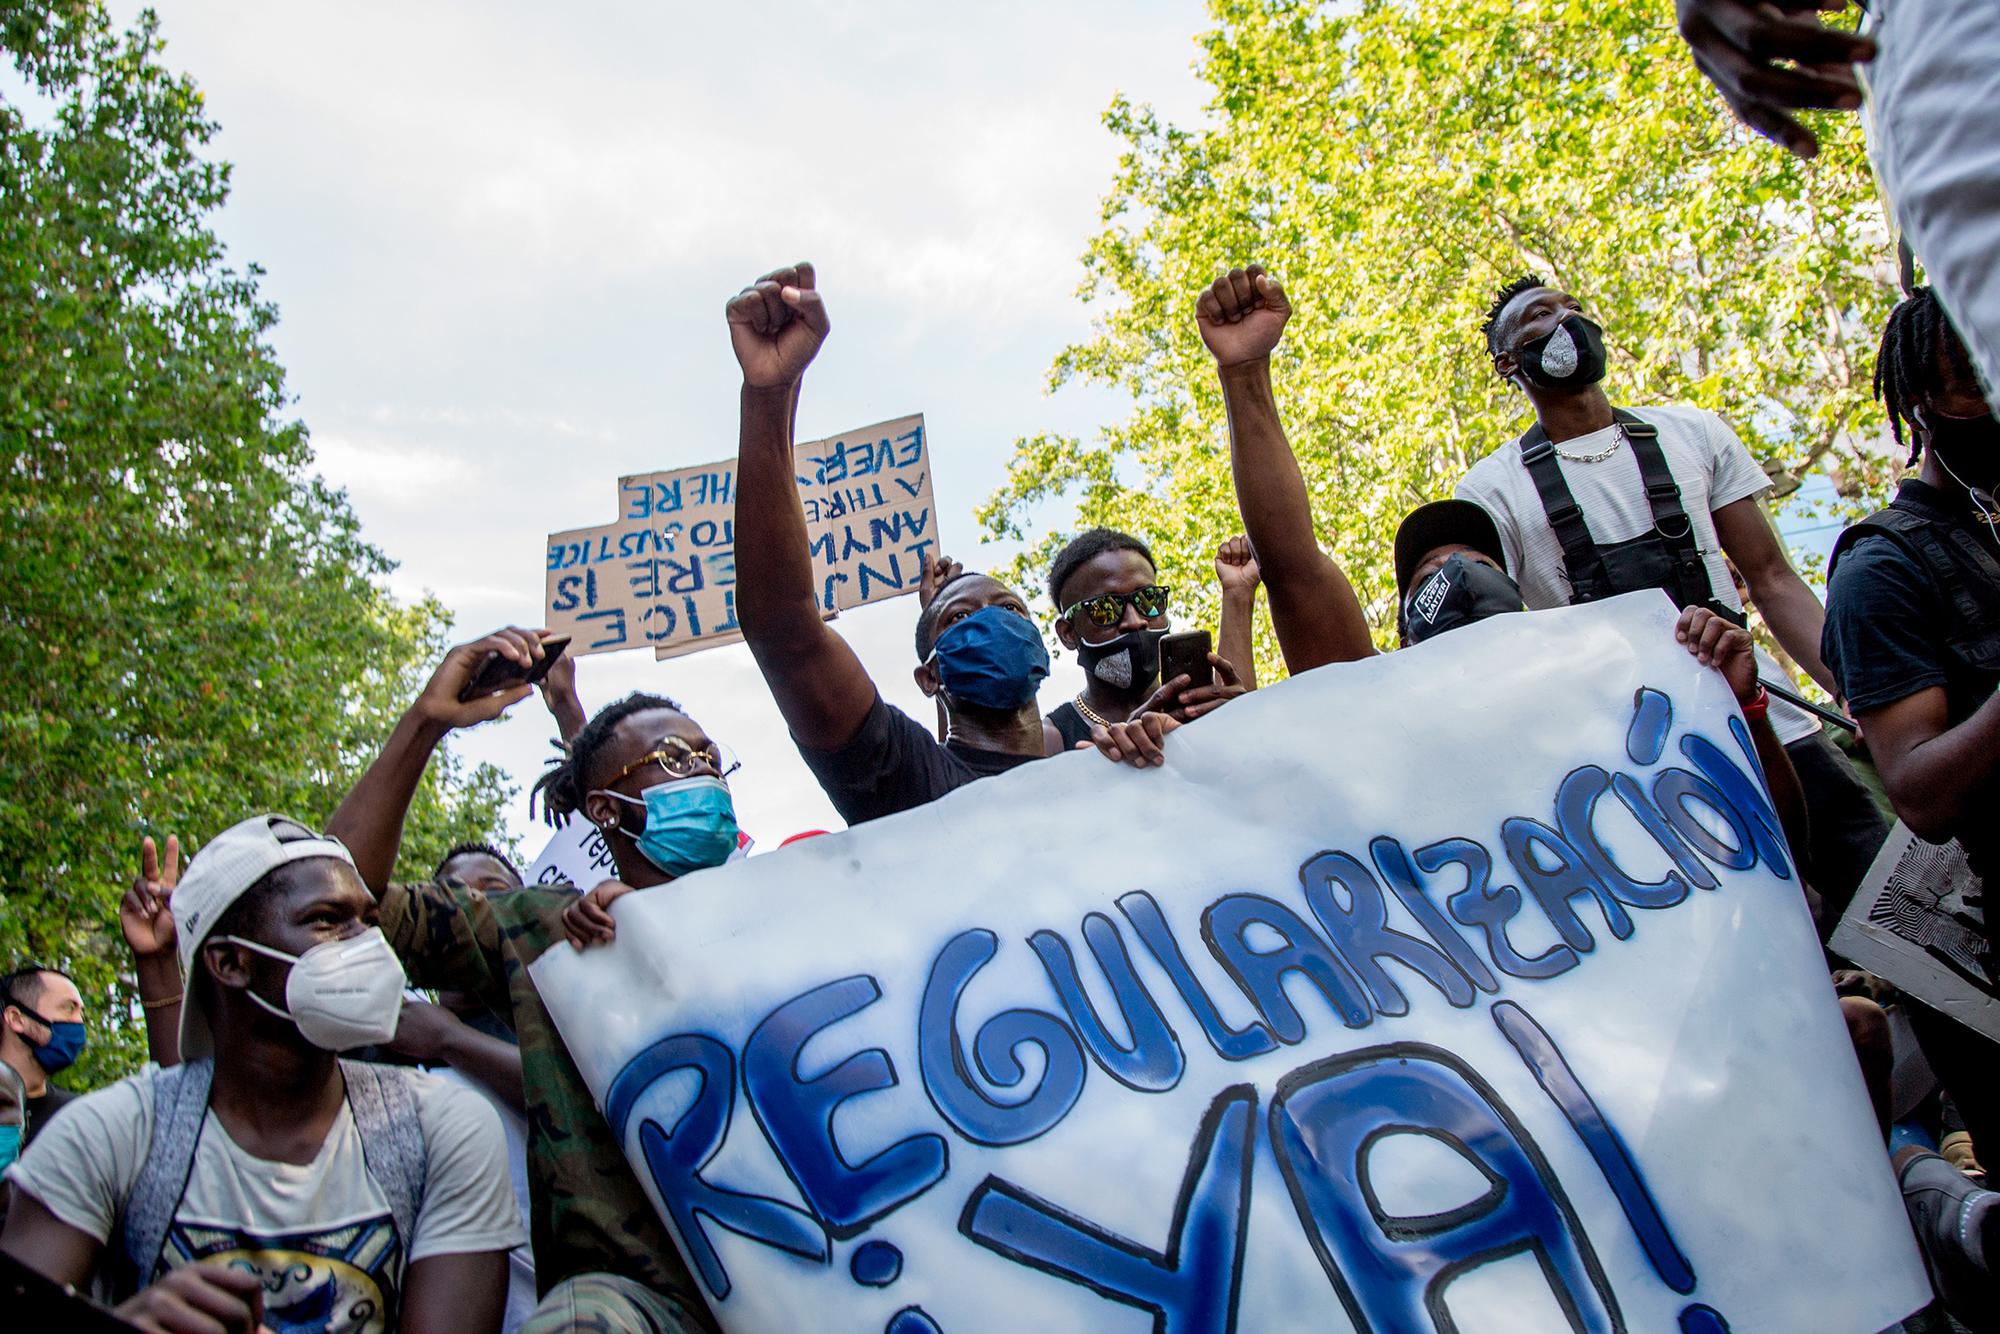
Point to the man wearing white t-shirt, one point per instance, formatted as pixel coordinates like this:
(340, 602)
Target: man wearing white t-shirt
(1593, 502)
(263, 1182)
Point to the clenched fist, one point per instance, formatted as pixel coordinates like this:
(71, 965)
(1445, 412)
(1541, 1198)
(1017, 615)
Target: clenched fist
(1242, 315)
(1236, 566)
(776, 325)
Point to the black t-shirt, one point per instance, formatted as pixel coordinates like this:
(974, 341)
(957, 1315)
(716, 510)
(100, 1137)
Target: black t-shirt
(41, 1109)
(894, 763)
(1070, 724)
(1886, 638)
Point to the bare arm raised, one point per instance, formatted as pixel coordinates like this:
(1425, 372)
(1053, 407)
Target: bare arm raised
(776, 326)
(1236, 571)
(1318, 619)
(370, 818)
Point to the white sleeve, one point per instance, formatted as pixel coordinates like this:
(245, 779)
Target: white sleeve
(1733, 474)
(1479, 487)
(468, 1202)
(83, 1164)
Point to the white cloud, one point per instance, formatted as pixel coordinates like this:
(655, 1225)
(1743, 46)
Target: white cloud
(384, 472)
(501, 234)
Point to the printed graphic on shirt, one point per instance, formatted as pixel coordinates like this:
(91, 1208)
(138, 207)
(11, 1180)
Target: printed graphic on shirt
(337, 1280)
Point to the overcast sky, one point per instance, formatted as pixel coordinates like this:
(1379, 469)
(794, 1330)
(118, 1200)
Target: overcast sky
(500, 237)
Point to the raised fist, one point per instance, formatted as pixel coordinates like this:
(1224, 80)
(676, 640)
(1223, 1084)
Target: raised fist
(776, 325)
(1242, 315)
(936, 574)
(1236, 566)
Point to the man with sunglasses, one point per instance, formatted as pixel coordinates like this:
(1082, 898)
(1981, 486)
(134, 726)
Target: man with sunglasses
(1111, 611)
(653, 781)
(978, 648)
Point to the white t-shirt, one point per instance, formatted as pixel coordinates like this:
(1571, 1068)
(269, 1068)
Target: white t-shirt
(319, 1234)
(521, 1296)
(1709, 464)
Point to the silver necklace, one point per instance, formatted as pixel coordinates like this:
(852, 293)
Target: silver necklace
(1617, 439)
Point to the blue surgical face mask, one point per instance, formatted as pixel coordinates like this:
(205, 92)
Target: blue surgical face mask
(10, 1146)
(994, 659)
(65, 1044)
(690, 824)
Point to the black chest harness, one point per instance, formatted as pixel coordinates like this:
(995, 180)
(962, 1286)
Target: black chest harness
(1966, 577)
(1666, 557)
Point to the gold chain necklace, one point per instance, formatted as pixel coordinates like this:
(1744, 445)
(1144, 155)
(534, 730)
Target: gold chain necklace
(1090, 715)
(1617, 439)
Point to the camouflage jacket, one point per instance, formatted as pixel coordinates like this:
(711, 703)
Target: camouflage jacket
(588, 1212)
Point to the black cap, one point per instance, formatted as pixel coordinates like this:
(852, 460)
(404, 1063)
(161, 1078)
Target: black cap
(1441, 523)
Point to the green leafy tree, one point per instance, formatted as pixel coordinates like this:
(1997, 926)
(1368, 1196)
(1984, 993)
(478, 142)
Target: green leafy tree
(1395, 163)
(193, 622)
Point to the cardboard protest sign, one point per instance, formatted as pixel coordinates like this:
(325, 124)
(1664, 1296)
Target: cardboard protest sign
(1468, 987)
(1917, 921)
(664, 575)
(578, 853)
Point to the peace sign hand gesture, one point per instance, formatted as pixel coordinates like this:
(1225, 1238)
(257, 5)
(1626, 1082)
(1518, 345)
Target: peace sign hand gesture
(146, 914)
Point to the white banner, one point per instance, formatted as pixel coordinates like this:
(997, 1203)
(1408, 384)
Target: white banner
(1469, 987)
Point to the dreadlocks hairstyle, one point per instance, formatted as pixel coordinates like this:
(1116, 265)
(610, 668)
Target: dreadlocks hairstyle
(571, 776)
(1086, 547)
(1917, 337)
(481, 850)
(1527, 282)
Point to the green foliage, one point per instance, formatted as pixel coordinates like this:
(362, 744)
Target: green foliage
(1394, 163)
(192, 621)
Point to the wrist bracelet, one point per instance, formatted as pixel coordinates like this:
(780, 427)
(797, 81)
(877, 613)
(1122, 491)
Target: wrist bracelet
(161, 1003)
(1757, 707)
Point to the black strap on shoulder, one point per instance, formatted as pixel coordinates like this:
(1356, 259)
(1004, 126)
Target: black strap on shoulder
(1670, 517)
(1917, 528)
(1583, 559)
(1663, 493)
(1538, 456)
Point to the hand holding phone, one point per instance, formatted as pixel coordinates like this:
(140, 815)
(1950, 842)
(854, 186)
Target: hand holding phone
(1211, 681)
(1186, 654)
(497, 672)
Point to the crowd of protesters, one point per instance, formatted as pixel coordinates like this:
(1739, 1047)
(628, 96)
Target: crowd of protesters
(317, 1146)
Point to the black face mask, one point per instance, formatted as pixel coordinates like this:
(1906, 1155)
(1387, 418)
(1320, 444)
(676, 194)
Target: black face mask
(1968, 448)
(1129, 661)
(1570, 357)
(1462, 591)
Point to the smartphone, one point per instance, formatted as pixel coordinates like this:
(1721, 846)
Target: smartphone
(498, 673)
(1186, 654)
(46, 1304)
